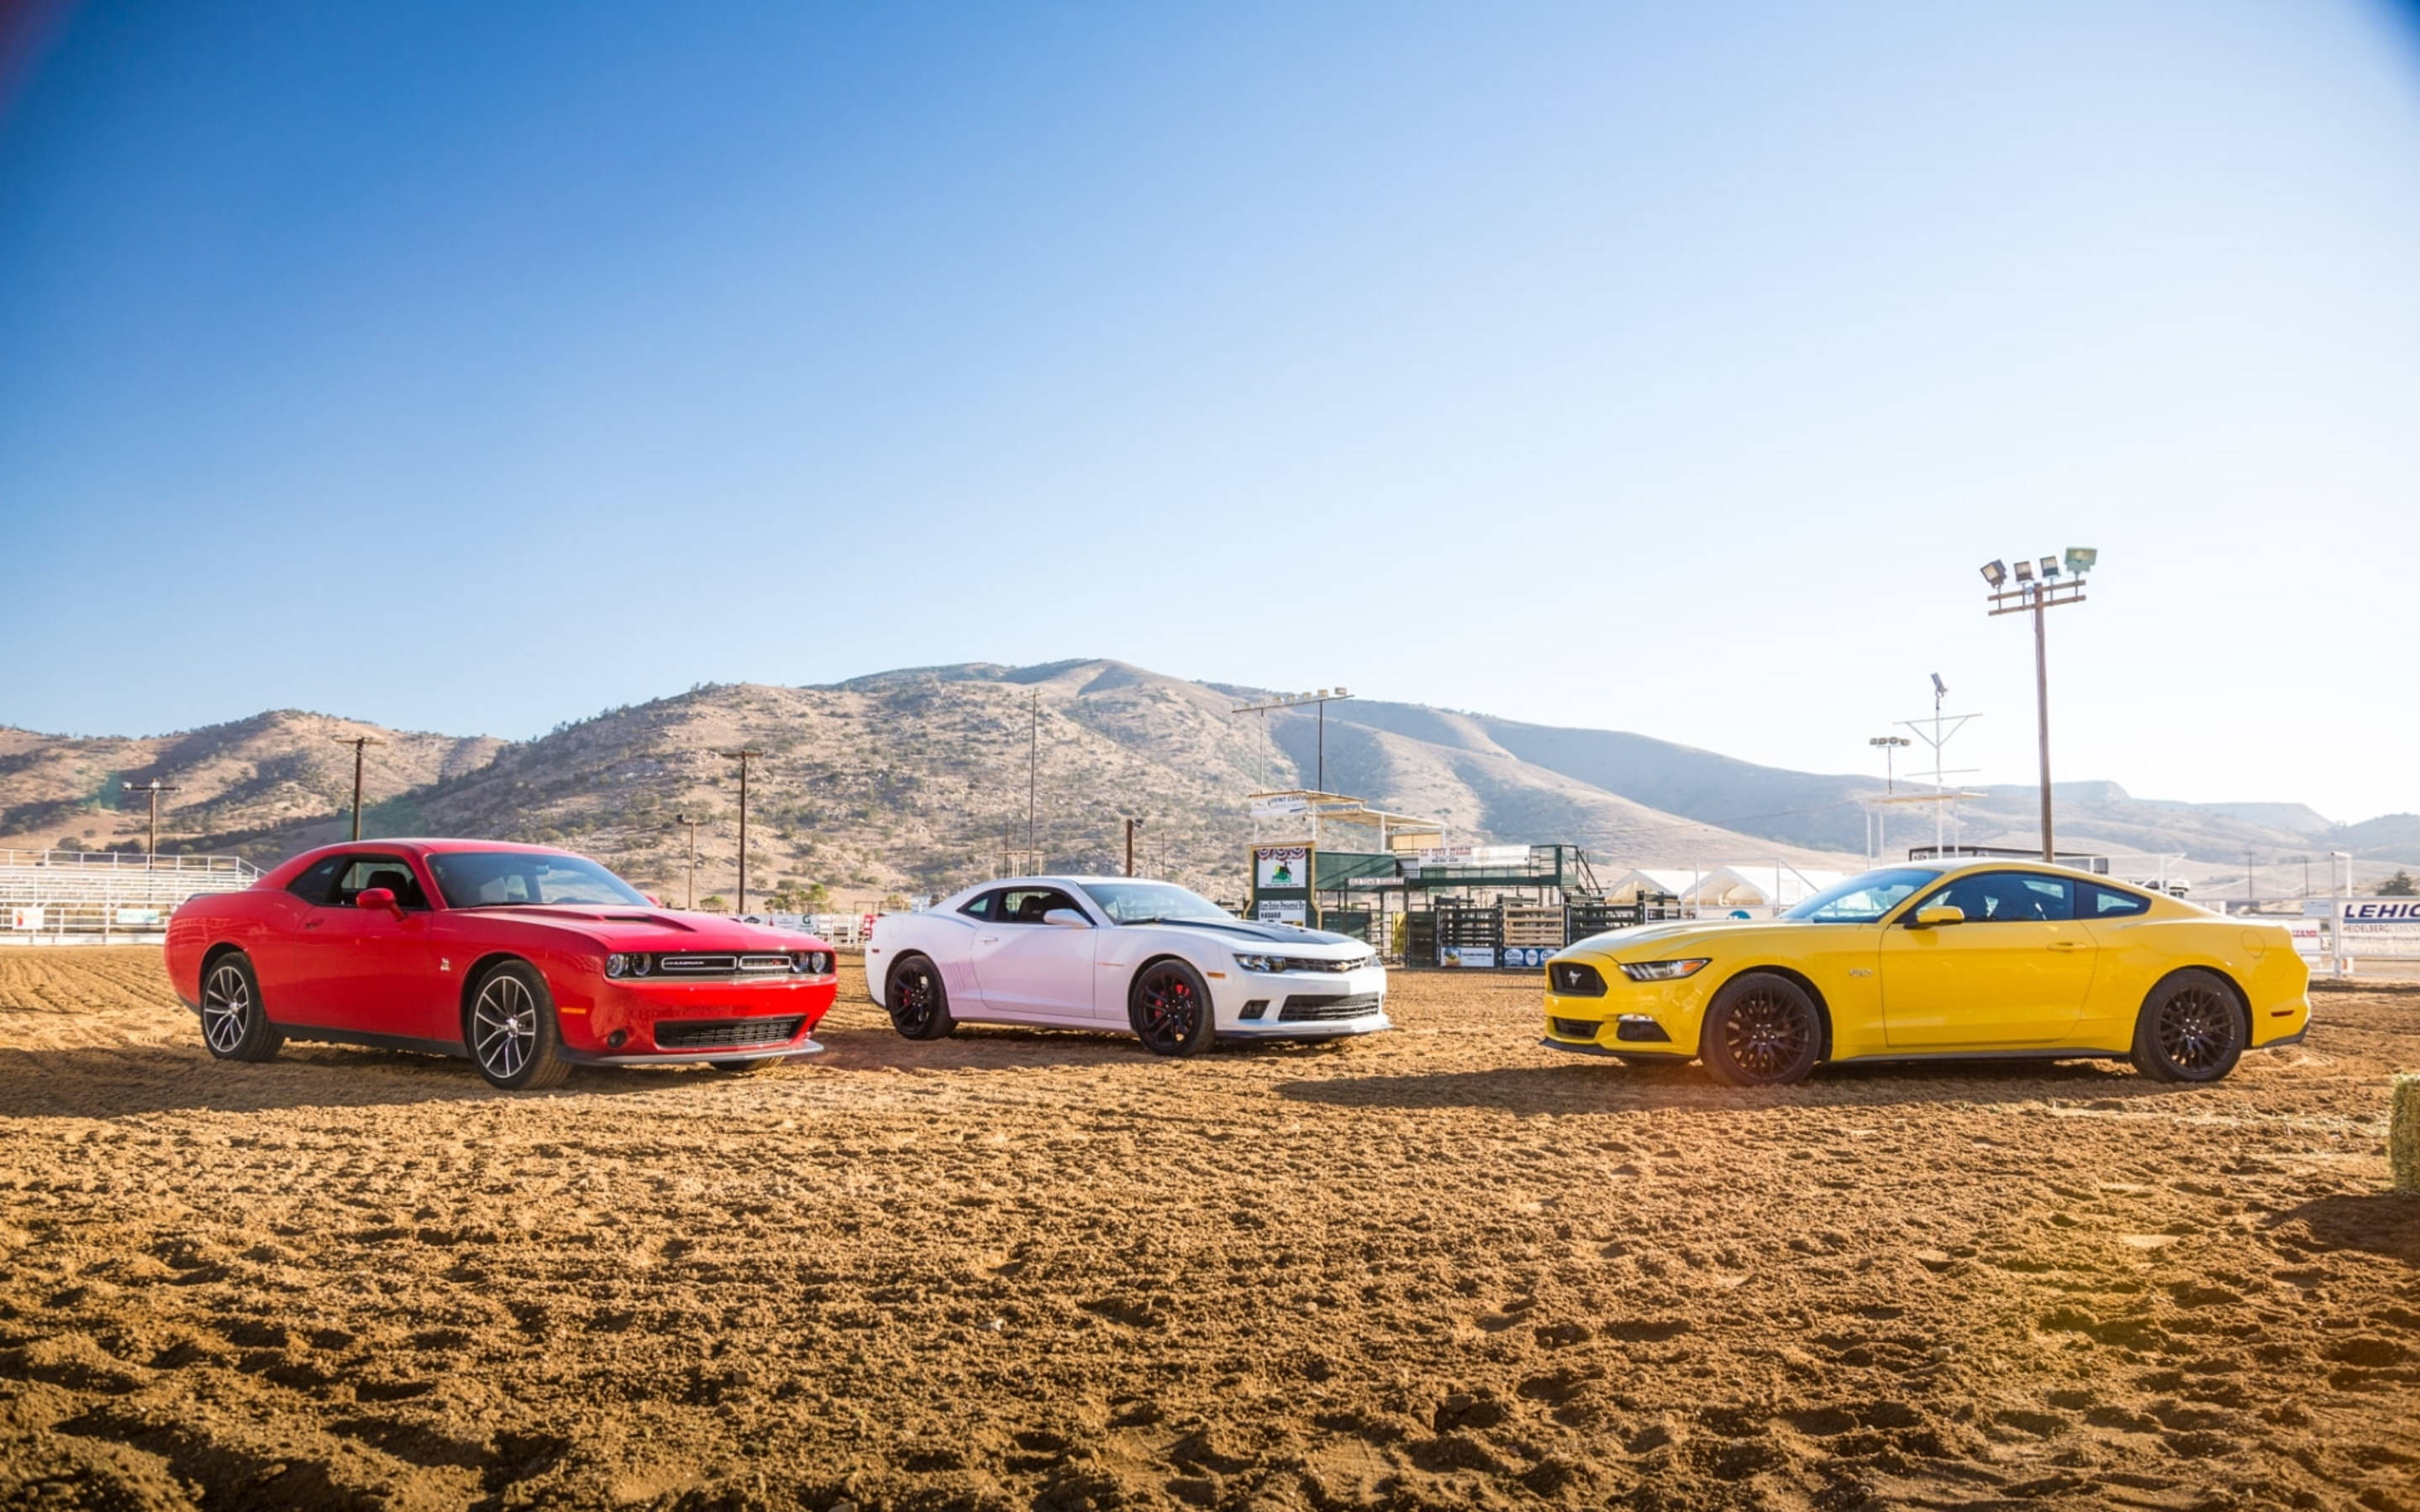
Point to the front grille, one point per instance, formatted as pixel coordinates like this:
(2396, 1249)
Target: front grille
(726, 1035)
(764, 963)
(1301, 1010)
(698, 965)
(1575, 1029)
(1572, 979)
(1305, 964)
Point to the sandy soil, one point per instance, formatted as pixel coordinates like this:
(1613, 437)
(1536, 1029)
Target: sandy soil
(1444, 1268)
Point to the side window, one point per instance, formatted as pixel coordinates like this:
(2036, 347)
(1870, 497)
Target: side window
(313, 884)
(363, 872)
(981, 906)
(1027, 905)
(2108, 903)
(2009, 897)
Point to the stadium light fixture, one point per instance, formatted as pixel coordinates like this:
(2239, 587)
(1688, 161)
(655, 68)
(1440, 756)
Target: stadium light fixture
(1940, 689)
(2032, 595)
(155, 787)
(1995, 572)
(1324, 697)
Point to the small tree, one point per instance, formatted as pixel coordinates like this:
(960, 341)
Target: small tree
(2399, 886)
(712, 903)
(817, 900)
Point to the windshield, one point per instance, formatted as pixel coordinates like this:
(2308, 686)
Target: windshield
(1863, 900)
(1143, 902)
(490, 879)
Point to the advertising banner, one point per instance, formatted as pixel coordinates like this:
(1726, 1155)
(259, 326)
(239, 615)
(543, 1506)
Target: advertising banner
(2380, 928)
(1525, 955)
(1277, 868)
(1284, 911)
(1468, 955)
(25, 918)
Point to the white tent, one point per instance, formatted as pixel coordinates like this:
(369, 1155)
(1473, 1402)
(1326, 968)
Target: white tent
(1725, 886)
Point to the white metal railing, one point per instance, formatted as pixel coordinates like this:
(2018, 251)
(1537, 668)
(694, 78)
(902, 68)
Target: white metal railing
(60, 896)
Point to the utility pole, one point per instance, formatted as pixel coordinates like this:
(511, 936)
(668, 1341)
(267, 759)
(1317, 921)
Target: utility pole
(1132, 825)
(1033, 776)
(2036, 597)
(692, 824)
(1890, 745)
(357, 742)
(1286, 700)
(154, 786)
(743, 756)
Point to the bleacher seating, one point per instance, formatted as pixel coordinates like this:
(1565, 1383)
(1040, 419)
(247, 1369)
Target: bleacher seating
(64, 897)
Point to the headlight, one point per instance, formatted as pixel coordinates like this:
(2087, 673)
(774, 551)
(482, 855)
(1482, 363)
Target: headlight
(615, 965)
(642, 964)
(1662, 971)
(811, 963)
(1259, 963)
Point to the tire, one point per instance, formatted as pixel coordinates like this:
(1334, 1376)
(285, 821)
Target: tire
(1169, 1005)
(918, 1000)
(1763, 1031)
(2192, 1028)
(235, 1027)
(511, 1031)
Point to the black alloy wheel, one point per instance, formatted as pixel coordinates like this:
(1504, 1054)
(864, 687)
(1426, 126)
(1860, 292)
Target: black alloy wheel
(919, 1003)
(1763, 1031)
(512, 1032)
(2191, 1029)
(234, 1027)
(1170, 1008)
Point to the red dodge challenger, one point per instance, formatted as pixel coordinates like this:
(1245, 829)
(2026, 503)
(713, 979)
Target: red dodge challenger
(527, 959)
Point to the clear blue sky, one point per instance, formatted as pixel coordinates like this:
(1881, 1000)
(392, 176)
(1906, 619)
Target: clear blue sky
(472, 367)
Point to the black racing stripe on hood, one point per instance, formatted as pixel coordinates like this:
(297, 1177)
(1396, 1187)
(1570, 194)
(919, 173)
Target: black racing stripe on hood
(1272, 934)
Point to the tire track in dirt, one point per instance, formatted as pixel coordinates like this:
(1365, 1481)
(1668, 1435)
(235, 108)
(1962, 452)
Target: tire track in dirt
(1441, 1268)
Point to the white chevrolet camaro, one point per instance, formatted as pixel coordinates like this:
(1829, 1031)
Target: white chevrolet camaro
(1114, 952)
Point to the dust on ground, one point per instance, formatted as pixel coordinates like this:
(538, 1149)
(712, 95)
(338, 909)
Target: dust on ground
(1440, 1268)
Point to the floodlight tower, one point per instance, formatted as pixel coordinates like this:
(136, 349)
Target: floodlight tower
(1944, 727)
(2036, 595)
(155, 787)
(1890, 745)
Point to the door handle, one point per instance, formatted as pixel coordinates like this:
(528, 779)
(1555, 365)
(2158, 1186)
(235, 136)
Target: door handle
(2067, 945)
(986, 939)
(310, 923)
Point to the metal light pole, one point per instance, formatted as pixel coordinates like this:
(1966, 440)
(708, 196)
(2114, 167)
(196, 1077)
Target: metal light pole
(154, 786)
(1890, 745)
(357, 742)
(692, 824)
(1033, 777)
(2037, 595)
(1324, 697)
(743, 756)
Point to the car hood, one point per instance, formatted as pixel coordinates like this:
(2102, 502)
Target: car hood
(646, 929)
(1245, 933)
(1648, 942)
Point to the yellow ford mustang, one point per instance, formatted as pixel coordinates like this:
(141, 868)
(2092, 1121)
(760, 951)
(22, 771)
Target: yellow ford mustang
(1982, 958)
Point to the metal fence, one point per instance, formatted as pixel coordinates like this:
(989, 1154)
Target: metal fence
(99, 897)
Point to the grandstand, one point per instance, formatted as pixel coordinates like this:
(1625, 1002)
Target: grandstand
(107, 897)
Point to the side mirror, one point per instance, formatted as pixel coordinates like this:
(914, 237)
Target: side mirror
(1936, 916)
(378, 898)
(1067, 918)
(653, 902)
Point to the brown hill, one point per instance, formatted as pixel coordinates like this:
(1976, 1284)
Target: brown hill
(906, 780)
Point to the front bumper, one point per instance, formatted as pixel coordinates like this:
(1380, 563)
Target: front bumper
(623, 1020)
(1300, 1005)
(1630, 1018)
(800, 1046)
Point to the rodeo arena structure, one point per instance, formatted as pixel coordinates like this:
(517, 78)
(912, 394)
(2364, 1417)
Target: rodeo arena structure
(1330, 861)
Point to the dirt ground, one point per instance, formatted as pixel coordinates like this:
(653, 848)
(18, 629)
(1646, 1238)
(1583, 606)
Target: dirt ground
(1440, 1268)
